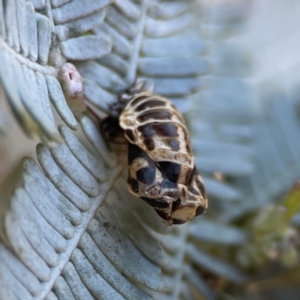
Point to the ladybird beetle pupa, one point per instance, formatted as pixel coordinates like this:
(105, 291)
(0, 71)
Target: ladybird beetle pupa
(161, 169)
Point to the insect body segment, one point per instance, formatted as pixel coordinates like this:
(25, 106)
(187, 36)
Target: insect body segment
(161, 167)
(153, 123)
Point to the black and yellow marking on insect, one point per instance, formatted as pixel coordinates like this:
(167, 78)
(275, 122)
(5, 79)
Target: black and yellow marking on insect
(161, 168)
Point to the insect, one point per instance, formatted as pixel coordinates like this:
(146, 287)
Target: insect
(161, 168)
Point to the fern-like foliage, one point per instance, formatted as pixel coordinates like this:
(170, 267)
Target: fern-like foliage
(275, 131)
(70, 229)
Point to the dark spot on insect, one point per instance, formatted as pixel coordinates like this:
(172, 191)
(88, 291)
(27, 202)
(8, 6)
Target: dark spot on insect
(175, 204)
(149, 143)
(193, 191)
(170, 189)
(134, 184)
(134, 152)
(147, 175)
(162, 214)
(174, 144)
(147, 131)
(194, 172)
(139, 99)
(154, 115)
(167, 184)
(130, 135)
(155, 203)
(150, 104)
(170, 169)
(195, 177)
(162, 130)
(189, 177)
(178, 221)
(199, 210)
(201, 187)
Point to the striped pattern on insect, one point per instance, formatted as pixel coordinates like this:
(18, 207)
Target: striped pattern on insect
(161, 168)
